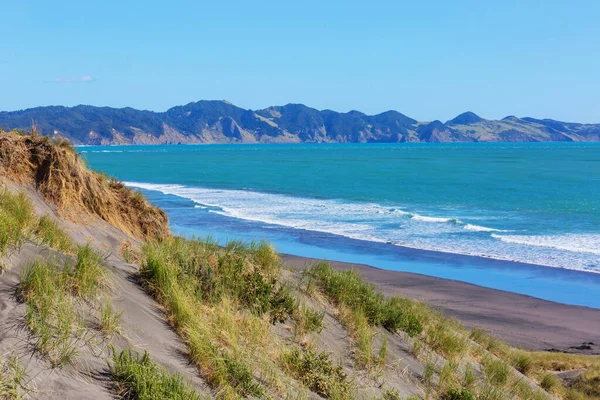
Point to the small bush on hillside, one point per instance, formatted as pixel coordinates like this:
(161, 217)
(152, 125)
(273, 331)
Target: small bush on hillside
(391, 394)
(458, 394)
(48, 231)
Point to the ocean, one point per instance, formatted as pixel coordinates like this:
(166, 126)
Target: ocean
(521, 217)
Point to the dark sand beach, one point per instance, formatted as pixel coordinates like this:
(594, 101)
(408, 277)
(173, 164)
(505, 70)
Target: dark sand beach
(521, 320)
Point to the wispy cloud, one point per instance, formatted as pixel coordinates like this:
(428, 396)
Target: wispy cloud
(85, 78)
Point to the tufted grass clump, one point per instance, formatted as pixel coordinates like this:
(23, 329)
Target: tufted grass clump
(13, 377)
(48, 231)
(16, 220)
(52, 293)
(110, 319)
(88, 274)
(348, 288)
(317, 372)
(222, 301)
(307, 320)
(139, 378)
(51, 314)
(496, 371)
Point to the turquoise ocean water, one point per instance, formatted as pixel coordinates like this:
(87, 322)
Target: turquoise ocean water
(517, 217)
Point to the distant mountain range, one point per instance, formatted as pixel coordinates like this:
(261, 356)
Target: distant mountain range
(223, 122)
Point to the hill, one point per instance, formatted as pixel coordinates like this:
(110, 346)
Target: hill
(223, 122)
(98, 299)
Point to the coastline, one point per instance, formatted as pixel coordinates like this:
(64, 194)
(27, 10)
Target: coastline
(521, 320)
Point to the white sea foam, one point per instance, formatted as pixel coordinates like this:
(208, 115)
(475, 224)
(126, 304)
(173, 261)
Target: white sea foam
(582, 243)
(391, 224)
(441, 220)
(478, 228)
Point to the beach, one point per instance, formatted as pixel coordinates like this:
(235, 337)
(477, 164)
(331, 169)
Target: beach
(522, 321)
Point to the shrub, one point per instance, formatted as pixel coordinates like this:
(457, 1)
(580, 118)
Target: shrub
(391, 394)
(458, 394)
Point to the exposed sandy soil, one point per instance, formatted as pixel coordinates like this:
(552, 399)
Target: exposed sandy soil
(143, 323)
(522, 321)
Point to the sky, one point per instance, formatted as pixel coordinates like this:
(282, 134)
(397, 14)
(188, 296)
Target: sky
(429, 59)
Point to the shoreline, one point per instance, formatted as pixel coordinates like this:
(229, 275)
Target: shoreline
(521, 320)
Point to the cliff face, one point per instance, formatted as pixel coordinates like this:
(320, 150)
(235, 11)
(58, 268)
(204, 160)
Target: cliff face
(223, 122)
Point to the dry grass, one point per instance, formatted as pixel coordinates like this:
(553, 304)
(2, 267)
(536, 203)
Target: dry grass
(58, 173)
(13, 378)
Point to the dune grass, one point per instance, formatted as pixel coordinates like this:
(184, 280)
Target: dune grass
(307, 320)
(541, 366)
(52, 292)
(16, 219)
(63, 179)
(18, 224)
(347, 288)
(222, 302)
(48, 231)
(139, 378)
(318, 373)
(13, 378)
(110, 319)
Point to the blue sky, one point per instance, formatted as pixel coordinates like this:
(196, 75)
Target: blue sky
(427, 59)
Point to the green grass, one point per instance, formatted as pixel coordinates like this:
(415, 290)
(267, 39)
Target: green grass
(496, 371)
(48, 231)
(12, 379)
(16, 220)
(446, 341)
(88, 274)
(52, 292)
(18, 223)
(139, 378)
(110, 319)
(347, 288)
(307, 320)
(550, 383)
(222, 301)
(318, 373)
(51, 314)
(522, 362)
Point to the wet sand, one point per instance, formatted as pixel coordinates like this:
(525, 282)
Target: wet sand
(521, 320)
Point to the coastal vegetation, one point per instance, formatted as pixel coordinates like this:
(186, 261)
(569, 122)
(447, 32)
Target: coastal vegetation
(56, 295)
(251, 326)
(139, 378)
(62, 178)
